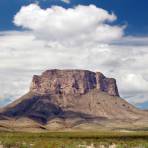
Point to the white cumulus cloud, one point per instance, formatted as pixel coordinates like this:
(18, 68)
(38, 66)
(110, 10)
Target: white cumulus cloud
(72, 26)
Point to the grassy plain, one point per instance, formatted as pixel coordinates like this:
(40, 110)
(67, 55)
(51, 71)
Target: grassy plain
(136, 139)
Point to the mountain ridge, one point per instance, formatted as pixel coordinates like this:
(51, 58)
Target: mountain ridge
(72, 99)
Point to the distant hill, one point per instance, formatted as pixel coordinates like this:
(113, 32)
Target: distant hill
(72, 100)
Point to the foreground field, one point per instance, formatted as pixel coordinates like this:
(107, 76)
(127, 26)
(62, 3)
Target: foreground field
(74, 140)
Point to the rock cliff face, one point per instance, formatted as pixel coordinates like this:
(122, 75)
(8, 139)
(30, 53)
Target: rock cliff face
(72, 82)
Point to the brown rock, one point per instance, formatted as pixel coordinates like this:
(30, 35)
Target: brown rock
(73, 82)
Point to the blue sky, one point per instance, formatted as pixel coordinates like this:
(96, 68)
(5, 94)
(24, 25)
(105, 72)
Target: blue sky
(110, 36)
(131, 12)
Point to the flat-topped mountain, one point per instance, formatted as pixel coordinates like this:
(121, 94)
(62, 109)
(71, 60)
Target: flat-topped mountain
(72, 82)
(71, 99)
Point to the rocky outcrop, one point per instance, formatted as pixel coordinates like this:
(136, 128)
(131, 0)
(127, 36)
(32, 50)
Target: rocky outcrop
(72, 82)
